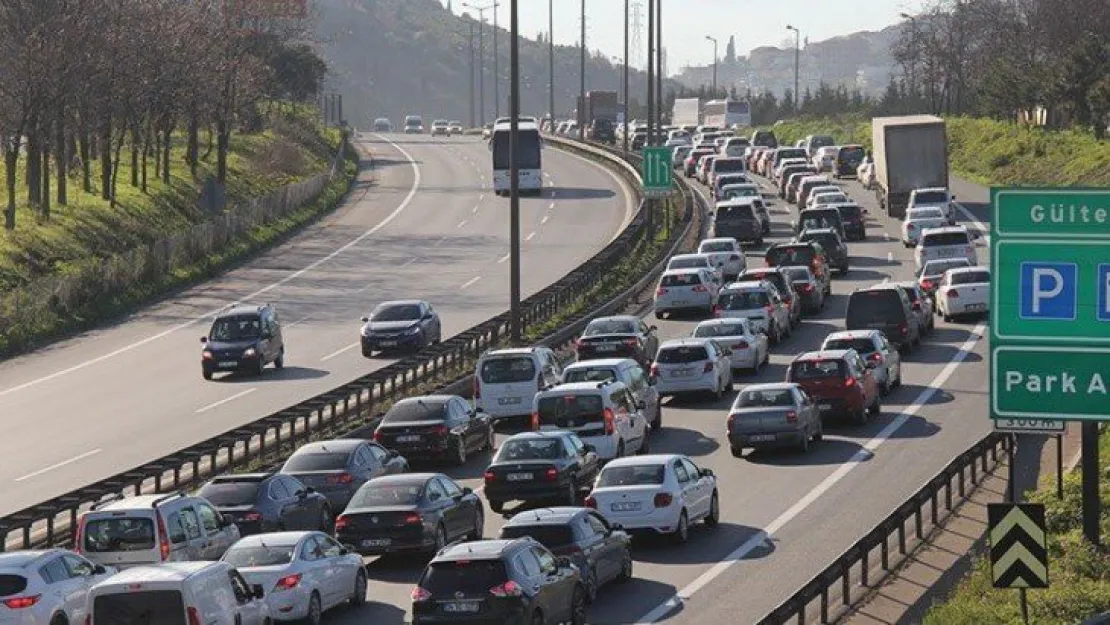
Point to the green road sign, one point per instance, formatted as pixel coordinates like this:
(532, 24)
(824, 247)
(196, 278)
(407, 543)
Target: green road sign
(1019, 545)
(657, 170)
(1050, 303)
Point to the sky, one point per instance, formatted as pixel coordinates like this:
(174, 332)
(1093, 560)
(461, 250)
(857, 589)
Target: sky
(754, 23)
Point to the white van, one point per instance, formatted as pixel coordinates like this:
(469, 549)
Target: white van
(603, 414)
(944, 244)
(178, 593)
(506, 381)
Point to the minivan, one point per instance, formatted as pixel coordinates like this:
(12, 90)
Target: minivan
(848, 160)
(506, 381)
(243, 338)
(765, 138)
(945, 243)
(887, 308)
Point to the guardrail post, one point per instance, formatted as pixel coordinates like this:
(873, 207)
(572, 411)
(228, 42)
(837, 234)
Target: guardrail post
(865, 568)
(948, 491)
(176, 475)
(917, 524)
(825, 604)
(902, 536)
(50, 530)
(802, 615)
(933, 508)
(962, 486)
(846, 586)
(884, 552)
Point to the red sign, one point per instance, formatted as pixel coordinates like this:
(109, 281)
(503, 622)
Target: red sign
(266, 9)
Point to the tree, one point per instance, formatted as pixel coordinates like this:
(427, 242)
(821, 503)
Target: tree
(730, 50)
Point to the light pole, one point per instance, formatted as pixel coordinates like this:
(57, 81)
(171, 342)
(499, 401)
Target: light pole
(496, 76)
(514, 176)
(650, 140)
(797, 56)
(482, 54)
(550, 61)
(659, 67)
(624, 78)
(470, 23)
(582, 78)
(913, 51)
(714, 40)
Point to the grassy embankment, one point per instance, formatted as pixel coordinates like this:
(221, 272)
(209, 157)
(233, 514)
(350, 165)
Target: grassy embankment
(294, 146)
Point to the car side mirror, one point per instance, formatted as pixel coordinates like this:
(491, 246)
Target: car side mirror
(589, 449)
(204, 339)
(392, 453)
(707, 472)
(653, 328)
(563, 562)
(99, 570)
(365, 319)
(467, 490)
(616, 527)
(258, 592)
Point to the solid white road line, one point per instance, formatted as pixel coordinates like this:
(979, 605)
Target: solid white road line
(531, 235)
(471, 282)
(503, 259)
(461, 224)
(59, 465)
(225, 400)
(339, 352)
(545, 218)
(868, 450)
(409, 262)
(300, 321)
(982, 227)
(293, 276)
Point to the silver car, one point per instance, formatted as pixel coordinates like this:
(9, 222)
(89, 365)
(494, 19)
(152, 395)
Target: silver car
(693, 366)
(771, 415)
(683, 290)
(750, 349)
(726, 253)
(761, 304)
(697, 261)
(873, 347)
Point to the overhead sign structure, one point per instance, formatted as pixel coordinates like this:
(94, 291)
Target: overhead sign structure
(657, 170)
(1030, 426)
(1018, 544)
(1050, 314)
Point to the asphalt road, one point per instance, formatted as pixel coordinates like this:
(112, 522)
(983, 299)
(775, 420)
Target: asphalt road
(784, 516)
(422, 222)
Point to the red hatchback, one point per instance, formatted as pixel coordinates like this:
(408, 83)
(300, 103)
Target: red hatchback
(839, 381)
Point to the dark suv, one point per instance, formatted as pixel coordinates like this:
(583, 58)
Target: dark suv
(839, 381)
(243, 338)
(624, 336)
(885, 308)
(601, 130)
(834, 246)
(510, 582)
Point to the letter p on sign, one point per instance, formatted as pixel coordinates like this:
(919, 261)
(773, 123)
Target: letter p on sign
(1049, 291)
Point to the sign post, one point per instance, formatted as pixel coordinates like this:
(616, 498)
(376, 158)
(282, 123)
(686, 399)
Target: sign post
(1050, 318)
(1018, 548)
(656, 171)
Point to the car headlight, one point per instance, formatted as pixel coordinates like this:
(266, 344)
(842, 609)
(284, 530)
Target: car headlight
(413, 330)
(207, 355)
(250, 352)
(364, 331)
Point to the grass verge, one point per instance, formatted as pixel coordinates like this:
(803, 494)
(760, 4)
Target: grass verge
(1079, 573)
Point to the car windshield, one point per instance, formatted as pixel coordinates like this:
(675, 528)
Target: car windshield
(681, 354)
(118, 534)
(446, 579)
(716, 246)
(880, 306)
(862, 345)
(590, 374)
(245, 556)
(373, 495)
(942, 239)
(632, 475)
(815, 369)
(930, 197)
(547, 534)
(799, 274)
(416, 409)
(531, 449)
(508, 370)
(743, 300)
(235, 328)
(396, 312)
(316, 462)
(221, 494)
(728, 164)
(147, 607)
(713, 330)
(971, 277)
(768, 398)
(936, 268)
(729, 213)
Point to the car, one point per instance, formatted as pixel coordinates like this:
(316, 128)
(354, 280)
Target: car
(865, 173)
(487, 131)
(833, 244)
(738, 219)
(601, 551)
(929, 276)
(212, 593)
(455, 127)
(414, 125)
(725, 165)
(680, 137)
(243, 338)
(791, 184)
(808, 254)
(773, 415)
(268, 502)
(441, 127)
(848, 160)
(540, 466)
(725, 253)
(705, 166)
(764, 138)
(851, 216)
(696, 261)
(604, 414)
(824, 158)
(733, 191)
(693, 365)
(639, 140)
(727, 178)
(689, 166)
(621, 336)
(748, 349)
(884, 307)
(819, 198)
(435, 427)
(788, 168)
(657, 494)
(337, 468)
(941, 243)
(40, 586)
(382, 124)
(679, 154)
(872, 346)
(780, 279)
(627, 371)
(506, 381)
(819, 217)
(684, 290)
(400, 325)
(811, 293)
(813, 143)
(781, 154)
(839, 381)
(921, 305)
(761, 304)
(410, 513)
(937, 197)
(917, 220)
(808, 184)
(508, 582)
(963, 292)
(305, 573)
(126, 532)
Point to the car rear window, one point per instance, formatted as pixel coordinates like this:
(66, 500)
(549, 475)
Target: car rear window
(258, 555)
(388, 493)
(682, 354)
(743, 300)
(316, 462)
(799, 274)
(114, 534)
(552, 408)
(411, 410)
(687, 263)
(728, 164)
(924, 213)
(229, 493)
(680, 279)
(936, 268)
(816, 369)
(850, 211)
(971, 277)
(851, 153)
(531, 449)
(732, 194)
(714, 330)
(592, 374)
(769, 398)
(791, 153)
(610, 326)
(508, 370)
(632, 475)
(716, 246)
(938, 239)
(465, 576)
(729, 213)
(791, 255)
(12, 585)
(148, 607)
(862, 345)
(869, 307)
(550, 536)
(930, 197)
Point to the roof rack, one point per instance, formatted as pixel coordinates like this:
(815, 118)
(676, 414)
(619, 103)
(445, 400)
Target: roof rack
(114, 497)
(163, 499)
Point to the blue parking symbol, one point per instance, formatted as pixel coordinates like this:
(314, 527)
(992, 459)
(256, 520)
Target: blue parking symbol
(1104, 292)
(1049, 291)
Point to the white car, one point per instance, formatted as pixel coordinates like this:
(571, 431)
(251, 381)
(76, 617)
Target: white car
(758, 302)
(46, 586)
(726, 254)
(936, 197)
(750, 349)
(964, 291)
(304, 574)
(945, 243)
(784, 163)
(825, 158)
(822, 189)
(662, 493)
(692, 366)
(697, 261)
(865, 173)
(684, 290)
(827, 198)
(917, 220)
(506, 381)
(733, 191)
(603, 414)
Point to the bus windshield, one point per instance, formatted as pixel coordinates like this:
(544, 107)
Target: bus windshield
(529, 144)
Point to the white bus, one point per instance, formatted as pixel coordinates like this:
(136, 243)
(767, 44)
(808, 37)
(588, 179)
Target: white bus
(727, 113)
(528, 157)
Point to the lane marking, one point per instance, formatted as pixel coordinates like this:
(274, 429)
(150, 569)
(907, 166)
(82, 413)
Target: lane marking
(409, 262)
(339, 352)
(982, 227)
(461, 224)
(530, 236)
(857, 459)
(77, 458)
(551, 206)
(301, 320)
(225, 400)
(439, 242)
(545, 218)
(481, 197)
(471, 282)
(503, 259)
(293, 276)
(474, 211)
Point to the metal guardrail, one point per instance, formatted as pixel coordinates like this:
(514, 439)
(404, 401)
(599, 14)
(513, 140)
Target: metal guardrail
(967, 469)
(358, 404)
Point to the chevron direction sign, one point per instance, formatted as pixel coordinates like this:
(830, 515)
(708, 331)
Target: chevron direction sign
(1019, 545)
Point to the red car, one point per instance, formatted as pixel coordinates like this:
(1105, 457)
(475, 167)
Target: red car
(839, 381)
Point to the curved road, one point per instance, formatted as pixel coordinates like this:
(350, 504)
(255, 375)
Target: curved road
(421, 222)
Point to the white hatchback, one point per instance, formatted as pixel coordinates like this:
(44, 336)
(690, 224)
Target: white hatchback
(750, 349)
(696, 261)
(964, 291)
(660, 494)
(945, 243)
(47, 586)
(917, 220)
(603, 414)
(726, 254)
(685, 290)
(692, 366)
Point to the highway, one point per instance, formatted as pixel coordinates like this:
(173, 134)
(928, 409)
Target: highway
(422, 222)
(784, 516)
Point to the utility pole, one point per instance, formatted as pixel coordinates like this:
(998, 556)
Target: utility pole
(515, 329)
(714, 40)
(797, 55)
(624, 78)
(659, 68)
(551, 61)
(582, 79)
(913, 52)
(470, 23)
(651, 75)
(496, 76)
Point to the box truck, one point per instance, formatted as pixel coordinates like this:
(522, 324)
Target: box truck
(910, 152)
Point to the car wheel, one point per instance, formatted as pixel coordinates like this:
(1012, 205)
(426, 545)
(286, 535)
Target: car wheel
(876, 408)
(719, 392)
(358, 596)
(885, 389)
(626, 567)
(658, 423)
(279, 362)
(645, 446)
(898, 380)
(479, 525)
(773, 334)
(578, 608)
(714, 511)
(682, 532)
(820, 435)
(590, 585)
(326, 521)
(206, 374)
(658, 315)
(460, 452)
(261, 365)
(315, 613)
(496, 506)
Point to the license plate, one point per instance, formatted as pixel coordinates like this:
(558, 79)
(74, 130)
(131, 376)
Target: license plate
(412, 438)
(377, 542)
(461, 606)
(228, 364)
(678, 302)
(761, 438)
(507, 401)
(976, 306)
(606, 348)
(388, 343)
(825, 406)
(518, 477)
(625, 506)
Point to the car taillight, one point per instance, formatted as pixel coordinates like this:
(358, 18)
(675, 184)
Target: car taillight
(654, 370)
(193, 614)
(21, 603)
(849, 382)
(508, 589)
(591, 502)
(440, 430)
(927, 284)
(289, 582)
(578, 343)
(701, 288)
(877, 357)
(707, 368)
(903, 329)
(342, 523)
(660, 291)
(163, 538)
(662, 500)
(717, 311)
(378, 436)
(632, 342)
(489, 477)
(551, 474)
(910, 227)
(791, 417)
(413, 518)
(741, 345)
(610, 421)
(252, 516)
(535, 421)
(953, 293)
(419, 595)
(341, 478)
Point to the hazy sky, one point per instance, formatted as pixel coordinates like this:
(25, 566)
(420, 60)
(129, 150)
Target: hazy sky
(686, 23)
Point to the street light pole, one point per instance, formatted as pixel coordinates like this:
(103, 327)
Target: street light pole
(515, 329)
(797, 54)
(496, 76)
(482, 55)
(551, 61)
(624, 78)
(650, 75)
(470, 23)
(913, 51)
(714, 40)
(582, 78)
(659, 67)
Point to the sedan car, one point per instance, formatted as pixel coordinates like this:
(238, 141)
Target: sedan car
(268, 502)
(624, 336)
(303, 573)
(436, 427)
(759, 303)
(400, 325)
(537, 466)
(749, 349)
(726, 254)
(965, 291)
(841, 383)
(933, 271)
(47, 586)
(874, 348)
(917, 220)
(441, 128)
(414, 512)
(337, 468)
(684, 290)
(693, 366)
(382, 124)
(660, 494)
(773, 415)
(780, 279)
(455, 127)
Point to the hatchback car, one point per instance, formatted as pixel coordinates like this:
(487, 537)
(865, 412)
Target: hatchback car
(964, 291)
(935, 196)
(848, 159)
(693, 366)
(400, 325)
(833, 245)
(761, 304)
(725, 253)
(809, 254)
(243, 338)
(820, 217)
(780, 278)
(540, 466)
(738, 219)
(628, 372)
(623, 336)
(382, 124)
(885, 308)
(945, 243)
(839, 381)
(922, 306)
(773, 415)
(47, 586)
(268, 502)
(696, 261)
(337, 468)
(811, 292)
(917, 220)
(603, 414)
(872, 346)
(930, 275)
(851, 216)
(435, 427)
(658, 494)
(749, 349)
(685, 290)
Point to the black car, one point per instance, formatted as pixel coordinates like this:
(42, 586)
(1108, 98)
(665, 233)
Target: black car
(602, 552)
(403, 325)
(435, 427)
(808, 288)
(243, 338)
(268, 502)
(816, 218)
(508, 582)
(738, 219)
(540, 466)
(851, 216)
(848, 160)
(765, 138)
(625, 336)
(414, 512)
(885, 308)
(337, 468)
(639, 140)
(835, 247)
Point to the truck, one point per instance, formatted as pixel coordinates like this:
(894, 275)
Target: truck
(599, 105)
(686, 112)
(910, 152)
